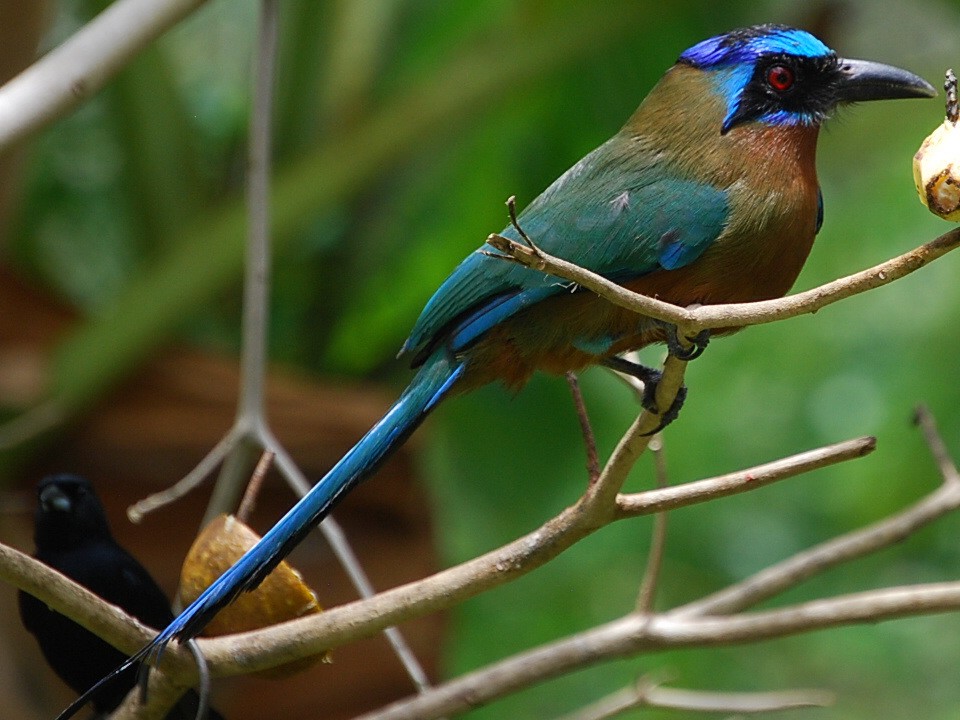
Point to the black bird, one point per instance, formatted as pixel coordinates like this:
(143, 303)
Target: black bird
(72, 536)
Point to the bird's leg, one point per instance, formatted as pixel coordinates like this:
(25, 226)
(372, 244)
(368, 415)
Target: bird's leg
(650, 378)
(593, 463)
(691, 349)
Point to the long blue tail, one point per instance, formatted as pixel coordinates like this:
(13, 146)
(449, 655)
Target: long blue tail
(430, 385)
(434, 380)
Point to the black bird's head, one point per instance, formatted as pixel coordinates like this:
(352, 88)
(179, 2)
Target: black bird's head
(68, 513)
(783, 76)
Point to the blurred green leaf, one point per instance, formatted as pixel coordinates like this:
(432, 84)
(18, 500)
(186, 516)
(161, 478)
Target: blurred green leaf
(156, 301)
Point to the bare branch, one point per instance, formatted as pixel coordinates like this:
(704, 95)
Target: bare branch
(804, 565)
(649, 694)
(865, 607)
(601, 496)
(192, 479)
(643, 634)
(271, 646)
(250, 651)
(637, 634)
(79, 604)
(735, 314)
(634, 634)
(748, 702)
(249, 501)
(658, 541)
(926, 422)
(280, 643)
(73, 72)
(676, 496)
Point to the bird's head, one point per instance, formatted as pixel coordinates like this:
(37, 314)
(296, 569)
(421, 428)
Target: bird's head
(68, 510)
(778, 75)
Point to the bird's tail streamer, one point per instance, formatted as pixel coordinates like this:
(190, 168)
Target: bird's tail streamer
(431, 384)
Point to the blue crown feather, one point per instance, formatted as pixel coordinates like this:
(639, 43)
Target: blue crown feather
(748, 44)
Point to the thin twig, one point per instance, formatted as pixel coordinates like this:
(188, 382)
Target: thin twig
(77, 69)
(256, 278)
(649, 694)
(253, 487)
(669, 498)
(690, 320)
(512, 212)
(730, 702)
(256, 293)
(928, 425)
(777, 578)
(137, 511)
(658, 540)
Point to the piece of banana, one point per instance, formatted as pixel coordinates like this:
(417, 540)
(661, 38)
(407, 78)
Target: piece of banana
(283, 595)
(936, 166)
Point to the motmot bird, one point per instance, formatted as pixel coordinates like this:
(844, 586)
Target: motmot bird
(708, 194)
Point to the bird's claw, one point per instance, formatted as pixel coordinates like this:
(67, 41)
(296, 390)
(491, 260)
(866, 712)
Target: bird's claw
(649, 402)
(651, 379)
(691, 348)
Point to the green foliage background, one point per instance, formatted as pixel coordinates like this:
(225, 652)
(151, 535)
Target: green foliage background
(402, 127)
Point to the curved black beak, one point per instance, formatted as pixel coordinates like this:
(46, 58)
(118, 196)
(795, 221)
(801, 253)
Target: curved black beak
(53, 499)
(867, 80)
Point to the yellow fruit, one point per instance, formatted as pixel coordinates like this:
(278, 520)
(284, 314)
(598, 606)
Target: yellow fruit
(282, 595)
(936, 166)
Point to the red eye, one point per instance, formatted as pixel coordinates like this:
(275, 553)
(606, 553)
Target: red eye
(780, 78)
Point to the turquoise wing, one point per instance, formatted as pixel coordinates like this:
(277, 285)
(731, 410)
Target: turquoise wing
(617, 212)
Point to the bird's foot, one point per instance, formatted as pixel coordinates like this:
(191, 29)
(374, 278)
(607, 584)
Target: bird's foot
(690, 348)
(672, 412)
(650, 379)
